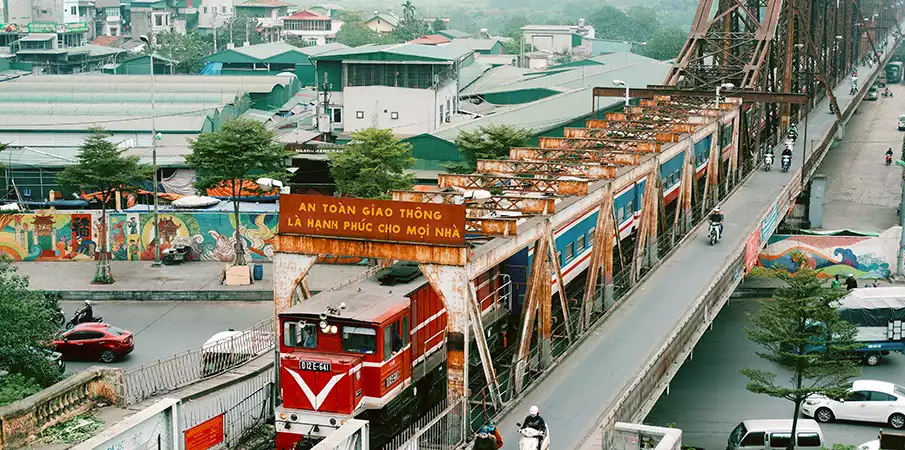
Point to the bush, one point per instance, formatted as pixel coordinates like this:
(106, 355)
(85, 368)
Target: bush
(15, 387)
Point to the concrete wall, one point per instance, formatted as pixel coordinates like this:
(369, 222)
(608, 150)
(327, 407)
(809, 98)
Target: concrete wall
(418, 109)
(864, 257)
(157, 426)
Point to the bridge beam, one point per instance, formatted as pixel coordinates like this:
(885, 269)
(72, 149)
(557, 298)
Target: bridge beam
(289, 281)
(537, 279)
(601, 259)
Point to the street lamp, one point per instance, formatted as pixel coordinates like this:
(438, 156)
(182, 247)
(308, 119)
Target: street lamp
(622, 83)
(720, 88)
(154, 138)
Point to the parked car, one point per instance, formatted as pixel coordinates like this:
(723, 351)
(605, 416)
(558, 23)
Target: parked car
(901, 123)
(54, 358)
(867, 401)
(230, 348)
(95, 342)
(774, 434)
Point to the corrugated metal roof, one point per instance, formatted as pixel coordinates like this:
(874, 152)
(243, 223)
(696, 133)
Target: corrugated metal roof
(306, 15)
(468, 75)
(263, 4)
(388, 18)
(264, 51)
(454, 34)
(22, 157)
(92, 109)
(99, 4)
(38, 37)
(181, 123)
(142, 83)
(473, 44)
(430, 52)
(321, 49)
(497, 76)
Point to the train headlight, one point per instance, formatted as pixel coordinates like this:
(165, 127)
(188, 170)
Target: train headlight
(333, 421)
(294, 417)
(342, 422)
(283, 416)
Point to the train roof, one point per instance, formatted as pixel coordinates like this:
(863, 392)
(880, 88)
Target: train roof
(366, 301)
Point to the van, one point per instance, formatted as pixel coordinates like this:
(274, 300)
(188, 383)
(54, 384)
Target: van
(775, 434)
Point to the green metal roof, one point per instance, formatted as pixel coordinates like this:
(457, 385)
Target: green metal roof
(497, 76)
(395, 52)
(93, 109)
(273, 52)
(473, 44)
(113, 123)
(454, 34)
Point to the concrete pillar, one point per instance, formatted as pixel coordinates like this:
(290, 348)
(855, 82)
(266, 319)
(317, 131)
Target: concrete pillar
(451, 284)
(289, 271)
(816, 200)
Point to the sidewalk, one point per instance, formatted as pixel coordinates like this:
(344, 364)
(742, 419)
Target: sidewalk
(71, 280)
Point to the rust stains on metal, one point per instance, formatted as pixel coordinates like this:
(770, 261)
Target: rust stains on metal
(659, 93)
(571, 154)
(600, 144)
(493, 226)
(675, 126)
(623, 133)
(485, 181)
(380, 220)
(424, 253)
(515, 203)
(548, 168)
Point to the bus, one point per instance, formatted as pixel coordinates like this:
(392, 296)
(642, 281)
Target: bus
(894, 72)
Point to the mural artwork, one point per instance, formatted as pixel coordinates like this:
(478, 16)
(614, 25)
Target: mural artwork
(864, 257)
(43, 237)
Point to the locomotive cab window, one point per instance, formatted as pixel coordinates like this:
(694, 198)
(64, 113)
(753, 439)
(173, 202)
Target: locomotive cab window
(300, 335)
(392, 340)
(359, 340)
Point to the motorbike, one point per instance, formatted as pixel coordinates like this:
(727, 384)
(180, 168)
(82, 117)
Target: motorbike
(529, 438)
(886, 94)
(176, 255)
(59, 317)
(78, 318)
(888, 159)
(832, 109)
(793, 135)
(786, 162)
(768, 161)
(714, 233)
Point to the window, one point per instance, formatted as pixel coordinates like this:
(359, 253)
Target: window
(737, 434)
(359, 114)
(392, 341)
(559, 256)
(84, 335)
(753, 438)
(441, 113)
(337, 115)
(405, 331)
(581, 243)
(300, 334)
(899, 390)
(204, 9)
(857, 396)
(591, 236)
(116, 331)
(223, 9)
(629, 209)
(359, 340)
(881, 397)
(808, 440)
(780, 440)
(394, 115)
(570, 250)
(74, 10)
(158, 21)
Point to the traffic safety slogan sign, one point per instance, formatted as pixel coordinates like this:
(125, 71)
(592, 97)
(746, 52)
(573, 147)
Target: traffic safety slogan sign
(380, 220)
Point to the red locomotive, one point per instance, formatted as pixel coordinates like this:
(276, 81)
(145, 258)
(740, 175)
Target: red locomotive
(372, 351)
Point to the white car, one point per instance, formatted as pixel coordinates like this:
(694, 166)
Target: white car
(901, 123)
(867, 401)
(872, 445)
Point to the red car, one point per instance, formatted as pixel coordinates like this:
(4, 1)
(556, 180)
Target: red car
(95, 342)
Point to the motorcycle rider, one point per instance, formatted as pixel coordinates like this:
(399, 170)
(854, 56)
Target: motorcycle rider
(889, 154)
(787, 153)
(793, 132)
(535, 421)
(716, 216)
(86, 314)
(488, 438)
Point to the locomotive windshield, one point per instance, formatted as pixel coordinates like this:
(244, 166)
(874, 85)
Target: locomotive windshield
(359, 340)
(300, 335)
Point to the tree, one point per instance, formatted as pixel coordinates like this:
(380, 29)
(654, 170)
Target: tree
(355, 34)
(410, 27)
(487, 142)
(242, 150)
(372, 165)
(104, 168)
(237, 30)
(26, 325)
(189, 50)
(800, 318)
(438, 25)
(666, 44)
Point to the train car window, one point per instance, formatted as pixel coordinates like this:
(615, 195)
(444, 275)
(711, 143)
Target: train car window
(629, 208)
(581, 242)
(392, 341)
(570, 250)
(405, 331)
(300, 335)
(591, 236)
(359, 340)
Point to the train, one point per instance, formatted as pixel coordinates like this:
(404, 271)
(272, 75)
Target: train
(377, 351)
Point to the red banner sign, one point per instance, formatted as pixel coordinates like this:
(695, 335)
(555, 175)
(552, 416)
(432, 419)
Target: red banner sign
(205, 435)
(379, 220)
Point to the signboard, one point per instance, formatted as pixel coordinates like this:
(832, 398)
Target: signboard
(752, 250)
(42, 27)
(205, 435)
(315, 366)
(77, 27)
(377, 220)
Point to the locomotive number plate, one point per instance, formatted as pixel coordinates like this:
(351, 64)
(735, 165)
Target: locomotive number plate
(315, 366)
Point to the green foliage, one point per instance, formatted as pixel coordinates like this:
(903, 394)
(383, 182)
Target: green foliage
(72, 431)
(241, 150)
(26, 325)
(438, 25)
(15, 387)
(355, 34)
(638, 23)
(189, 50)
(103, 167)
(372, 165)
(242, 28)
(488, 142)
(788, 329)
(411, 26)
(666, 44)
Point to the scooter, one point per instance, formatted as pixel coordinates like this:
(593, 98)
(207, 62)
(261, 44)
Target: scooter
(768, 161)
(528, 441)
(888, 159)
(886, 94)
(78, 318)
(714, 233)
(176, 255)
(786, 162)
(59, 317)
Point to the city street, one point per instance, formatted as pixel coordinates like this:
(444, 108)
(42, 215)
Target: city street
(707, 398)
(861, 191)
(164, 328)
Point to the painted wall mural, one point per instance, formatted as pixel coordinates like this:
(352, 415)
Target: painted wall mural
(43, 237)
(864, 257)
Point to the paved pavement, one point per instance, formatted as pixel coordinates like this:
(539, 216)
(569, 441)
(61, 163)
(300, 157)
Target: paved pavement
(165, 328)
(708, 398)
(139, 281)
(574, 397)
(862, 192)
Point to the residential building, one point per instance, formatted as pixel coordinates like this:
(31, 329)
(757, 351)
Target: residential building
(50, 14)
(328, 9)
(151, 17)
(214, 13)
(108, 17)
(559, 39)
(382, 22)
(45, 55)
(313, 28)
(408, 88)
(268, 13)
(268, 59)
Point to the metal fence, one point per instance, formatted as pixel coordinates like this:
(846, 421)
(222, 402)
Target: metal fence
(440, 429)
(191, 366)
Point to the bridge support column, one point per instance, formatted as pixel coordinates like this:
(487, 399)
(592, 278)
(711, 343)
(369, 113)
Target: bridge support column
(684, 218)
(290, 272)
(646, 250)
(456, 290)
(601, 262)
(815, 202)
(536, 290)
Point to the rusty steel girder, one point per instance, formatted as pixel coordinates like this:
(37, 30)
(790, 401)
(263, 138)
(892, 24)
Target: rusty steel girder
(670, 110)
(495, 182)
(746, 96)
(674, 127)
(523, 204)
(572, 154)
(490, 226)
(548, 168)
(622, 133)
(622, 145)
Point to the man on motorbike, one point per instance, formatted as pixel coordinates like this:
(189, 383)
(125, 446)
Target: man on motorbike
(889, 153)
(793, 132)
(716, 216)
(486, 439)
(535, 421)
(87, 314)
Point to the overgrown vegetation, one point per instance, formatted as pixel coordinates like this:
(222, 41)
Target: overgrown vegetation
(16, 386)
(72, 431)
(487, 142)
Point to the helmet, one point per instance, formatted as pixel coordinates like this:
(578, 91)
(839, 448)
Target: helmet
(851, 275)
(534, 410)
(716, 209)
(87, 302)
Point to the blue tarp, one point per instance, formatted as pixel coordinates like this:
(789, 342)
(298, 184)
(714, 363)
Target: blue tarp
(212, 68)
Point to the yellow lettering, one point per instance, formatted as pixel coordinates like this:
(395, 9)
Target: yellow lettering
(307, 207)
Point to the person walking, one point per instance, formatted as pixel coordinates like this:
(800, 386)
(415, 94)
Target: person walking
(835, 283)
